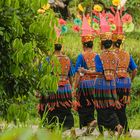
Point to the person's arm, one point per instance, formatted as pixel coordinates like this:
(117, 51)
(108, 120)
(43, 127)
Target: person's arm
(79, 63)
(133, 68)
(134, 73)
(98, 66)
(82, 70)
(71, 73)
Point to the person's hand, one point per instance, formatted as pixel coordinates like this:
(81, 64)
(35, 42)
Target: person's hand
(118, 104)
(82, 70)
(128, 100)
(124, 99)
(74, 93)
(75, 105)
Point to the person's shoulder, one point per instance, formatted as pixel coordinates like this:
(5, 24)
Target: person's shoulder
(80, 56)
(124, 51)
(66, 57)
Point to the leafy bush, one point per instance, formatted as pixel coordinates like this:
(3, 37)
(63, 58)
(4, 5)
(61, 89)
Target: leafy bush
(134, 108)
(17, 112)
(132, 46)
(136, 86)
(26, 39)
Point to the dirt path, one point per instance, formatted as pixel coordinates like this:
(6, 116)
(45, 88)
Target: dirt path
(135, 134)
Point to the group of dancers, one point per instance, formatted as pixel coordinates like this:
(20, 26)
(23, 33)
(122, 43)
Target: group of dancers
(101, 83)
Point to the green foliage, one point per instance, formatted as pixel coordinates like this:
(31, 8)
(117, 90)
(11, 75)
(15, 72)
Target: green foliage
(23, 109)
(134, 8)
(27, 38)
(134, 108)
(19, 112)
(28, 134)
(132, 46)
(136, 86)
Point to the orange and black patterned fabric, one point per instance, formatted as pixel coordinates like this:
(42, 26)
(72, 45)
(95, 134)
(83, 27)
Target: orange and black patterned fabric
(86, 89)
(87, 38)
(65, 67)
(89, 60)
(123, 63)
(63, 96)
(109, 61)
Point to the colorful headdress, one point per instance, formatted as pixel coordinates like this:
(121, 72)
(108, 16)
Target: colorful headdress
(105, 33)
(118, 33)
(58, 35)
(123, 22)
(86, 31)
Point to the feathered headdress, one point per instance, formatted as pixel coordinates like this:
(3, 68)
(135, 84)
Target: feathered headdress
(105, 32)
(87, 31)
(58, 35)
(123, 23)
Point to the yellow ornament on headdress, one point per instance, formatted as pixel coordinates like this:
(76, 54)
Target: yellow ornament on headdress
(80, 7)
(116, 2)
(86, 31)
(97, 8)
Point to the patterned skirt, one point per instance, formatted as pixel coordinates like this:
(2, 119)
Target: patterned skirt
(63, 98)
(123, 86)
(58, 106)
(85, 92)
(105, 93)
(85, 97)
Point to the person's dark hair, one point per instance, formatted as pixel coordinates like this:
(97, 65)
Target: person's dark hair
(107, 44)
(58, 47)
(118, 43)
(88, 44)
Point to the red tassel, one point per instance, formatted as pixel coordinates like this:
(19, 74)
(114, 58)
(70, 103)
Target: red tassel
(112, 9)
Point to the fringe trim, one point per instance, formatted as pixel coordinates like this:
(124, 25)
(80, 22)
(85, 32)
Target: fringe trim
(58, 100)
(104, 103)
(88, 95)
(101, 98)
(125, 91)
(40, 107)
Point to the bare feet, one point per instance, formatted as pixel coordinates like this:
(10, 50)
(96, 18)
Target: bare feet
(119, 129)
(90, 128)
(73, 133)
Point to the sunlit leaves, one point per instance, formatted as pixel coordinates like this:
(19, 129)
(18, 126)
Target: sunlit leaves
(27, 38)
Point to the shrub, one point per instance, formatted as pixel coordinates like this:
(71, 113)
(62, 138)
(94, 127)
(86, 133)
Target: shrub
(26, 39)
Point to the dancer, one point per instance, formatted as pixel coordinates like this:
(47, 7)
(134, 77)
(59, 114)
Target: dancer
(105, 96)
(84, 85)
(58, 105)
(123, 80)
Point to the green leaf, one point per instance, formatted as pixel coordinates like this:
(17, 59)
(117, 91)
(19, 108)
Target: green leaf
(7, 3)
(1, 33)
(128, 27)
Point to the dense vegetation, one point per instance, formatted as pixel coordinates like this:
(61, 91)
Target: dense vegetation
(26, 40)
